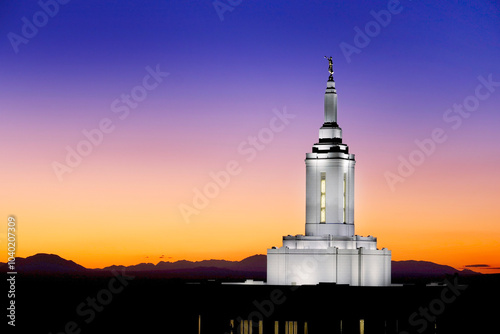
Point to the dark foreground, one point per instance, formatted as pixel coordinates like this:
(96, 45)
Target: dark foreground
(121, 303)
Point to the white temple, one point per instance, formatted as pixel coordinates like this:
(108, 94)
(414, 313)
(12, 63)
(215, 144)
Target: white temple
(329, 251)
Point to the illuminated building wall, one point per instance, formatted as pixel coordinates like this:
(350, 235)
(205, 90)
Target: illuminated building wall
(329, 251)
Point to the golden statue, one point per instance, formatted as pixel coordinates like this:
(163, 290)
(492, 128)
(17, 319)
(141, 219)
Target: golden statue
(330, 67)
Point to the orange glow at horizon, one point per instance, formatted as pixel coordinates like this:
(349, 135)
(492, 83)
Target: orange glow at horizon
(133, 220)
(104, 214)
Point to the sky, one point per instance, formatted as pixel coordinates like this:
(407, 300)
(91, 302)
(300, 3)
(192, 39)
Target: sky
(147, 131)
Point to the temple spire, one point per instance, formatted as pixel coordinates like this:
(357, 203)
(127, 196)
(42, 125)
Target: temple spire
(330, 96)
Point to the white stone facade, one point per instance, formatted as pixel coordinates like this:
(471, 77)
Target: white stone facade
(329, 251)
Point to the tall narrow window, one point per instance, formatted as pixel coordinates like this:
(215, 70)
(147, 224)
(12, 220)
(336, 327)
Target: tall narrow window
(323, 199)
(291, 327)
(345, 197)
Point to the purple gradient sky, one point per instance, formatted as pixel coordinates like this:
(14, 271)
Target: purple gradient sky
(225, 79)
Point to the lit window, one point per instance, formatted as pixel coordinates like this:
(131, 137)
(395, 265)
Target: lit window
(291, 327)
(345, 197)
(322, 218)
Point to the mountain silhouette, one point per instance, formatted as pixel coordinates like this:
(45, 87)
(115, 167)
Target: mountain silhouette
(45, 264)
(251, 267)
(255, 263)
(422, 269)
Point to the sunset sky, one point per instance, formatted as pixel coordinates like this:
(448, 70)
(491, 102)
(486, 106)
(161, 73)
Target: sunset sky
(116, 115)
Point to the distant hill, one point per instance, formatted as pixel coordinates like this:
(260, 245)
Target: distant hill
(45, 264)
(251, 267)
(411, 270)
(255, 263)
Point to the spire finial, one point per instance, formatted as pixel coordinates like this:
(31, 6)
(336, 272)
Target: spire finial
(330, 67)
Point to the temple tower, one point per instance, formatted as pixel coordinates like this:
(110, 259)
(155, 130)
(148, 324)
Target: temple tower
(329, 251)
